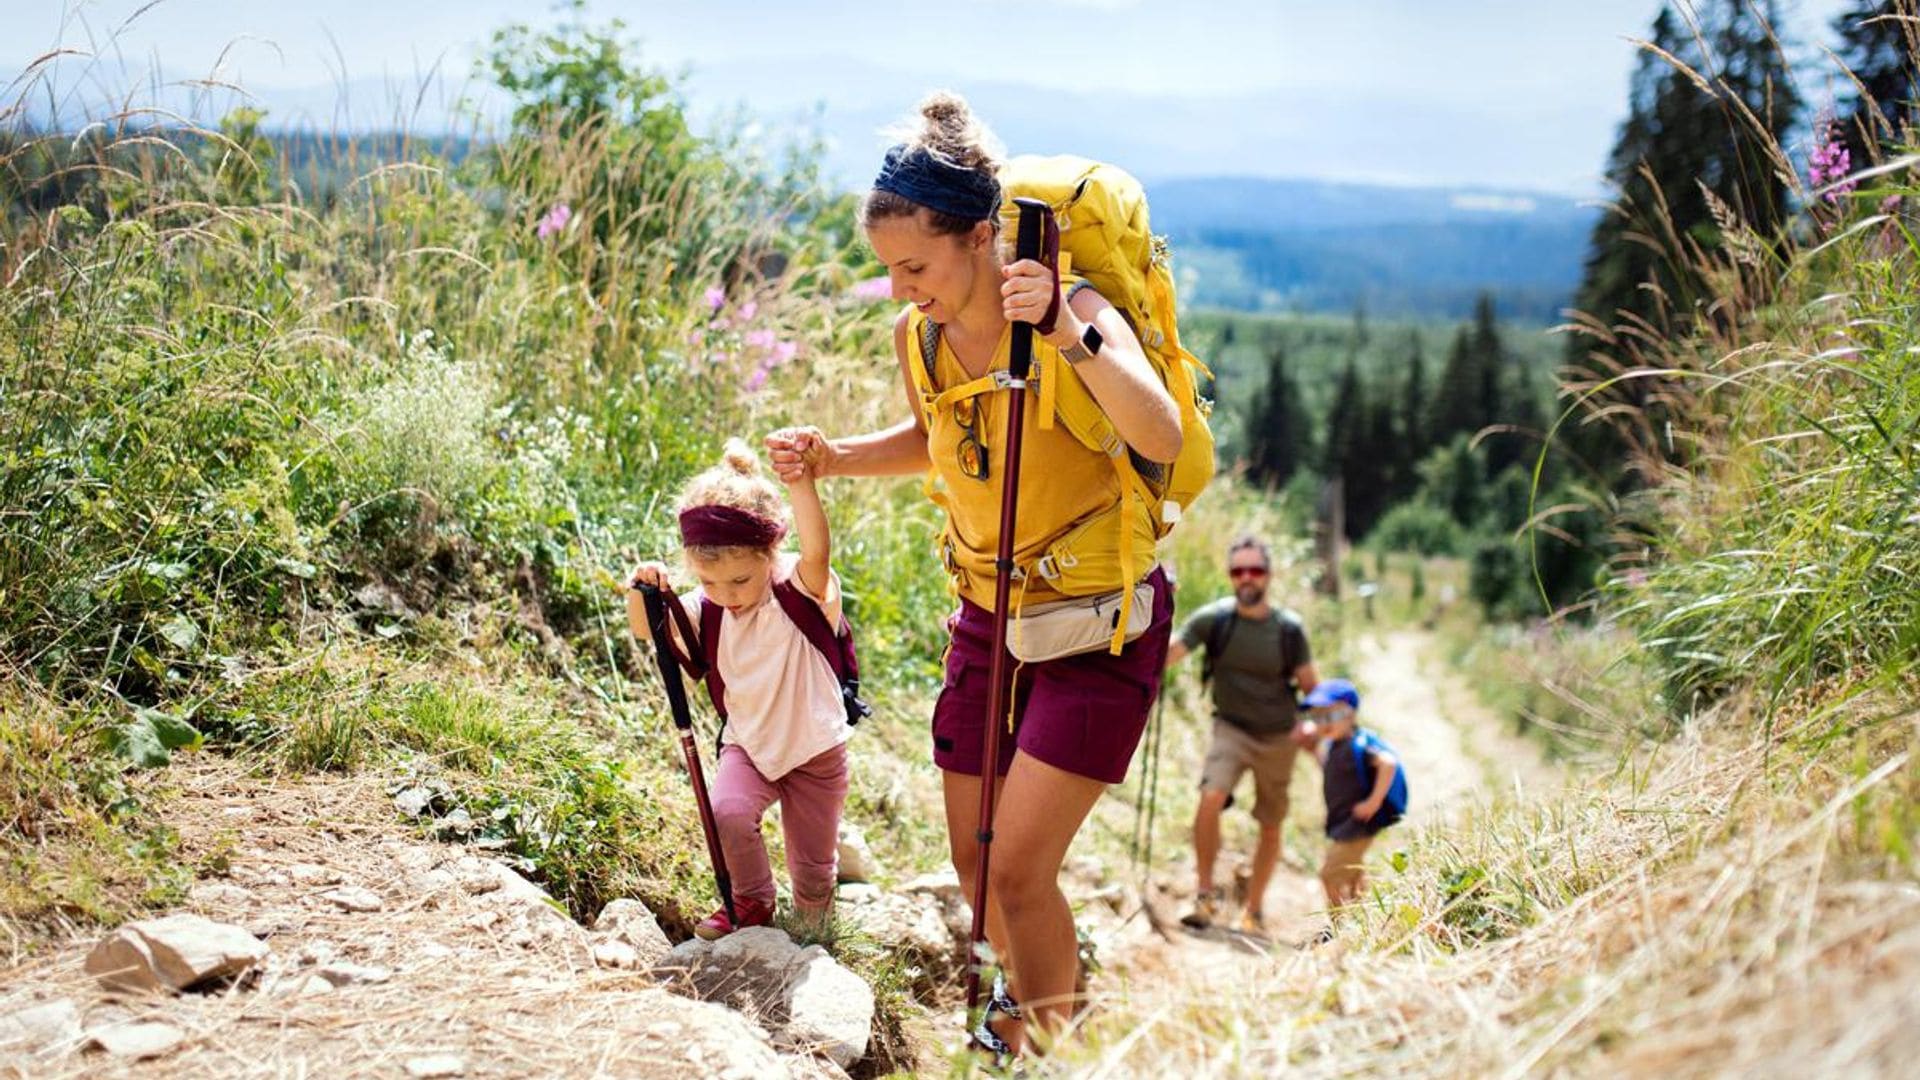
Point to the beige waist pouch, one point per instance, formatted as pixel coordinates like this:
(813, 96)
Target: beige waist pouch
(1080, 624)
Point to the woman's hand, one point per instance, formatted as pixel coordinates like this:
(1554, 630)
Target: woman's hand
(1025, 294)
(1364, 810)
(799, 454)
(648, 574)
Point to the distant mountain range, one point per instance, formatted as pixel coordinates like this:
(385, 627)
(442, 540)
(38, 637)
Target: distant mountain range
(1309, 245)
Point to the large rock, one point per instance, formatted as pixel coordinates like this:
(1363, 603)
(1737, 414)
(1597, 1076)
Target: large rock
(944, 888)
(633, 923)
(856, 858)
(697, 1038)
(175, 953)
(915, 922)
(829, 1009)
(801, 995)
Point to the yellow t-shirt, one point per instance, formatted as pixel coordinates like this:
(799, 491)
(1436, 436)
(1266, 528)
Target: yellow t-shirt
(1062, 482)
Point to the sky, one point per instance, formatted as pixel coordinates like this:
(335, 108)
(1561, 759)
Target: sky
(1495, 94)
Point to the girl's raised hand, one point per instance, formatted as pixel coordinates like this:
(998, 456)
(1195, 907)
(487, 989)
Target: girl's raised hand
(798, 454)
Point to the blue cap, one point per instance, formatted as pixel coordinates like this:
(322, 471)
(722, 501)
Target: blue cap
(1332, 692)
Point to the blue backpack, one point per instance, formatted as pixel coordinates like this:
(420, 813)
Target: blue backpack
(1363, 741)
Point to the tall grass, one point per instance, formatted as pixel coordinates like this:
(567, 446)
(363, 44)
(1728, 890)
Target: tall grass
(281, 438)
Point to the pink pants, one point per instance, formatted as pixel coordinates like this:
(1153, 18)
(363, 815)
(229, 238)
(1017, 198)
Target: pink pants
(810, 799)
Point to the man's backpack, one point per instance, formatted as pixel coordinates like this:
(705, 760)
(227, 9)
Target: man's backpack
(1364, 741)
(806, 614)
(1222, 632)
(1106, 239)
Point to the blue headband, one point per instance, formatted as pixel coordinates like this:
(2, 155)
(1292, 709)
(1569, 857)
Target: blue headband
(919, 176)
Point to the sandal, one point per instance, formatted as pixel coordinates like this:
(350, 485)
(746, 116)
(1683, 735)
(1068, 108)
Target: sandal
(1001, 1003)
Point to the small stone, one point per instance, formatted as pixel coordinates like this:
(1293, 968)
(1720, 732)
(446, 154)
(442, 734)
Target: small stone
(173, 953)
(219, 894)
(616, 954)
(856, 861)
(631, 922)
(413, 801)
(433, 950)
(309, 985)
(857, 893)
(349, 974)
(457, 823)
(436, 1065)
(310, 874)
(137, 1040)
(353, 898)
(39, 1026)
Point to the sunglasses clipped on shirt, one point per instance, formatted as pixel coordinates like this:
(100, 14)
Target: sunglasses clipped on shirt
(1238, 572)
(972, 452)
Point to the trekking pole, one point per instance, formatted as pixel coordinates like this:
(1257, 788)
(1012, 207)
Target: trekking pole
(657, 601)
(1019, 363)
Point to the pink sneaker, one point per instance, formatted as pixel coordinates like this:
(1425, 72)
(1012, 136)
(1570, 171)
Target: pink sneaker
(717, 925)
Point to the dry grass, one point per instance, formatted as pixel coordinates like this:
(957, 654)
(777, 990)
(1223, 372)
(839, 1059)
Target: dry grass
(1725, 905)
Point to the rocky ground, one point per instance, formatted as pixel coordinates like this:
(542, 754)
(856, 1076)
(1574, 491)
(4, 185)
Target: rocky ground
(325, 935)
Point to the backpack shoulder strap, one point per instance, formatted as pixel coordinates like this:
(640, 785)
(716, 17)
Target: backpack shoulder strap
(924, 334)
(1217, 637)
(806, 614)
(710, 614)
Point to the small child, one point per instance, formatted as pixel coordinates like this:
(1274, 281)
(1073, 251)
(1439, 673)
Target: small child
(1365, 788)
(786, 724)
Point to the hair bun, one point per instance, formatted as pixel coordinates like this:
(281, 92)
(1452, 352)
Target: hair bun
(949, 129)
(740, 457)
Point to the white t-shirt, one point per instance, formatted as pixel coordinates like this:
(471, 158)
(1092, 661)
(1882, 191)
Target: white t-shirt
(783, 701)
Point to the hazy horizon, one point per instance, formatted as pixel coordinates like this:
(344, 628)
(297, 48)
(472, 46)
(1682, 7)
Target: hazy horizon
(1500, 97)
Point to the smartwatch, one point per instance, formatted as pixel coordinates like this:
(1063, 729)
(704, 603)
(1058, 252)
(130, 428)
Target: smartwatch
(1086, 348)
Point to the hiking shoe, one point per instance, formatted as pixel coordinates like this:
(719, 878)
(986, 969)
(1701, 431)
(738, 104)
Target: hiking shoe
(717, 925)
(1252, 922)
(1206, 908)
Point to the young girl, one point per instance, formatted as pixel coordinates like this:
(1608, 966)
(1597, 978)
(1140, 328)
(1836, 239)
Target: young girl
(786, 729)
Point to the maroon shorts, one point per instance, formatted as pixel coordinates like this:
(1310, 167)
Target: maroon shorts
(1080, 713)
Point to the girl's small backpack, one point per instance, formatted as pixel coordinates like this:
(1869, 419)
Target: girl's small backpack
(806, 614)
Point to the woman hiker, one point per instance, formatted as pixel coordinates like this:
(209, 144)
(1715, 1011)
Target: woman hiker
(932, 218)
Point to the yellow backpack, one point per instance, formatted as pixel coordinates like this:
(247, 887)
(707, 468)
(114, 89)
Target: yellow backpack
(1105, 239)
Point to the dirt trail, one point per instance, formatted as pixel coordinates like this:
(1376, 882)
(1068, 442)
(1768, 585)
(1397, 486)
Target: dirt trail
(1456, 750)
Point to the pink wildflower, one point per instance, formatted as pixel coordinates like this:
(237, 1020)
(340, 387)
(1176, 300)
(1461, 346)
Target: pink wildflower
(1829, 162)
(757, 380)
(716, 299)
(747, 311)
(554, 220)
(783, 354)
(874, 288)
(759, 339)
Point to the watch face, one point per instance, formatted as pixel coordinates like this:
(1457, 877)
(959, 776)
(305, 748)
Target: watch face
(1092, 339)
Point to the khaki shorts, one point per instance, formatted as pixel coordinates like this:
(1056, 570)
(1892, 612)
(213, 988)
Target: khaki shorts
(1270, 758)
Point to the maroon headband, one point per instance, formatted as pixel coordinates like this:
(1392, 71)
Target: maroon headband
(726, 526)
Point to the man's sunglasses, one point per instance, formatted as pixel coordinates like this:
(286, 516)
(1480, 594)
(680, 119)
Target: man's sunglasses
(1238, 572)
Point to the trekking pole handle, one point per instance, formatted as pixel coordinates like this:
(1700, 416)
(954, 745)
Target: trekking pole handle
(656, 603)
(1026, 245)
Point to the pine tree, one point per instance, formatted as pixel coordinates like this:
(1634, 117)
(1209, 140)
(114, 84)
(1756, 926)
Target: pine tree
(1455, 409)
(1343, 422)
(1413, 420)
(1278, 426)
(1878, 46)
(1681, 136)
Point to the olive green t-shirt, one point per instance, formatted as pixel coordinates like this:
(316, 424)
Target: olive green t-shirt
(1253, 675)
